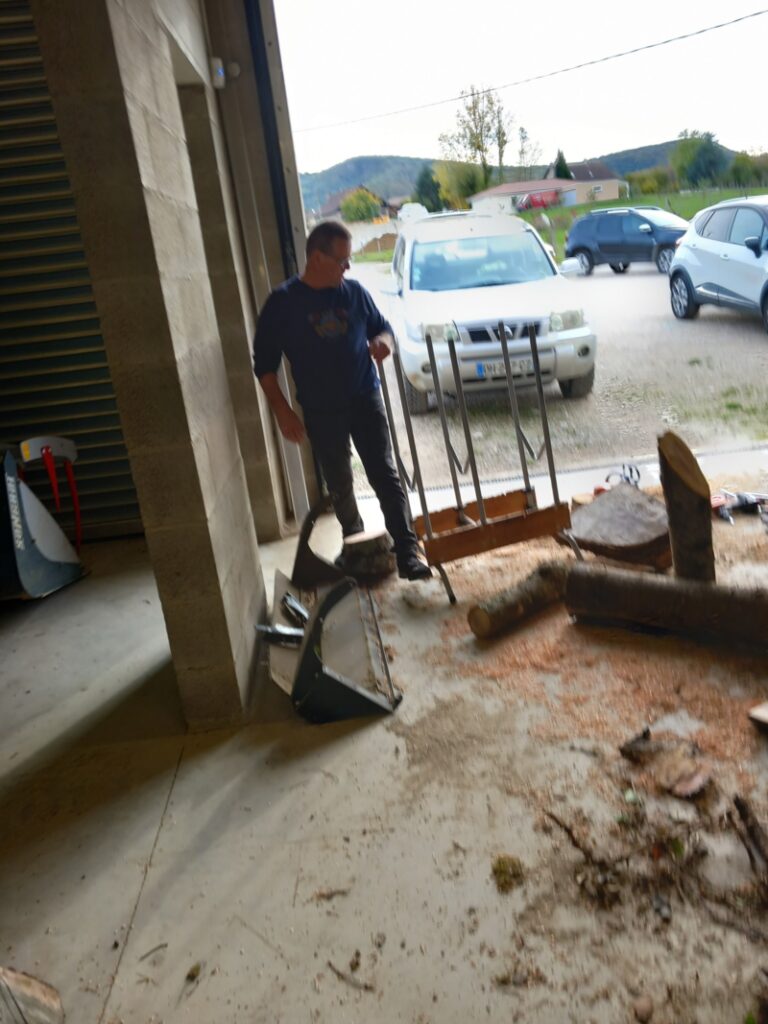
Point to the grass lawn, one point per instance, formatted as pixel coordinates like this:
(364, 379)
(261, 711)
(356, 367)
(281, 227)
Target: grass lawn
(385, 256)
(685, 204)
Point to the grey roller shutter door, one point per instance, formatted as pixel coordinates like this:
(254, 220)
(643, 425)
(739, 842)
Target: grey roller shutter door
(54, 377)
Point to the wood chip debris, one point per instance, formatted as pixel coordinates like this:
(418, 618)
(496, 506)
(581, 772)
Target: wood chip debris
(324, 895)
(349, 979)
(508, 872)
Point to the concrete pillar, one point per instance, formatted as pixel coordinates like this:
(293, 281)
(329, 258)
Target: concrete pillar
(235, 313)
(114, 94)
(242, 123)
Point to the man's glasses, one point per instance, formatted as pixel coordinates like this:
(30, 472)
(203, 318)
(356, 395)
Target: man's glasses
(344, 264)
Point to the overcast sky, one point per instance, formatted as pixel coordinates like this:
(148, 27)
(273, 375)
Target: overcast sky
(345, 59)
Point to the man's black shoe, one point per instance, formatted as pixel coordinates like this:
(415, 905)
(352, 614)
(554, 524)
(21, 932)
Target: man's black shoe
(412, 568)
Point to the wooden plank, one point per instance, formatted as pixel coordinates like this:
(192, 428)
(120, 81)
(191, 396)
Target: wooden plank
(471, 540)
(448, 518)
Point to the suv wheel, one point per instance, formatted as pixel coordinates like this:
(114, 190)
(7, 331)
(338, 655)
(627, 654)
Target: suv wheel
(585, 261)
(619, 268)
(664, 258)
(684, 306)
(578, 387)
(417, 401)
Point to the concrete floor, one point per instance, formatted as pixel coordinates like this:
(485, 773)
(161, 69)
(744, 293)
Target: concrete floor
(152, 875)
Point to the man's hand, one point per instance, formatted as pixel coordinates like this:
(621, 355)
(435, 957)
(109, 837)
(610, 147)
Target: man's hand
(380, 347)
(290, 425)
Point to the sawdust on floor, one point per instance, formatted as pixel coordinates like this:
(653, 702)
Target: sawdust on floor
(535, 719)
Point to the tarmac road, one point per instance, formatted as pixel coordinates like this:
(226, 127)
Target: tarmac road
(706, 378)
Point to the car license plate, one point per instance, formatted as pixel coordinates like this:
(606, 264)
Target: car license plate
(496, 368)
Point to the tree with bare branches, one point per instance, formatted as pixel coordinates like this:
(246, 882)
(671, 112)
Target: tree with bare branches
(481, 132)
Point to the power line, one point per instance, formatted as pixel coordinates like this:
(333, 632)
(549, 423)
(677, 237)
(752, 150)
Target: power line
(537, 78)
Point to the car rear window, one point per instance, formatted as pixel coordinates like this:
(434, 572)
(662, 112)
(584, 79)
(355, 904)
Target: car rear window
(716, 228)
(458, 263)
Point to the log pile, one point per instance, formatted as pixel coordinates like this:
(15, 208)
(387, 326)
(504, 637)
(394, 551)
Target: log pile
(690, 602)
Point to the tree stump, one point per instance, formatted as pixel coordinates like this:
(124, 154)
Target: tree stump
(544, 586)
(368, 555)
(689, 510)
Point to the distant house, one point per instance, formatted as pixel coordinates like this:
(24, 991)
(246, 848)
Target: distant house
(593, 180)
(396, 203)
(331, 208)
(517, 195)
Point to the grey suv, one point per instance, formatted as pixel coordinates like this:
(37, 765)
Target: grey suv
(619, 237)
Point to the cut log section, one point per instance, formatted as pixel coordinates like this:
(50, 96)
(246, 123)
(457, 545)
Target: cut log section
(625, 524)
(759, 715)
(27, 1000)
(702, 610)
(689, 510)
(367, 555)
(544, 586)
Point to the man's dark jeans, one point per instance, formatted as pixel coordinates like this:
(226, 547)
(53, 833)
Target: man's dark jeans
(364, 421)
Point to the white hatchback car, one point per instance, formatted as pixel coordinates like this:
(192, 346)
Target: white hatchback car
(722, 259)
(461, 274)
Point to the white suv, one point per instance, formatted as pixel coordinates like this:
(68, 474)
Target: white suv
(722, 259)
(459, 275)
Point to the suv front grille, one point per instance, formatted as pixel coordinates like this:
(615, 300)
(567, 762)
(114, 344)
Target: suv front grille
(515, 331)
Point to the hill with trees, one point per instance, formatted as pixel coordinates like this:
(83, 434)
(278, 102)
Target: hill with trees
(644, 157)
(389, 176)
(386, 176)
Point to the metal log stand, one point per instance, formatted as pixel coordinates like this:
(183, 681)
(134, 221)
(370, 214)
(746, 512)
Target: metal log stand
(470, 528)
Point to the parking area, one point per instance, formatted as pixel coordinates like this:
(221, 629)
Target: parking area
(706, 378)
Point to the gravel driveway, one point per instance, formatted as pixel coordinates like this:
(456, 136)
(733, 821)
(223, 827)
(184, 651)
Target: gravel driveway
(705, 378)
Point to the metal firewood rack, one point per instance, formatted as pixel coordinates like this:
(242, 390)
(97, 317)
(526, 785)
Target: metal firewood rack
(469, 528)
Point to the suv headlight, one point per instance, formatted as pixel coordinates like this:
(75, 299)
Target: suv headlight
(568, 320)
(437, 332)
(440, 332)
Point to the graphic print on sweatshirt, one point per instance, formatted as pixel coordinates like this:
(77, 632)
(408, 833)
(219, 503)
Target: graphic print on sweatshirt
(330, 323)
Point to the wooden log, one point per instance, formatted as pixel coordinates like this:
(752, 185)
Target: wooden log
(689, 510)
(703, 610)
(545, 585)
(27, 1000)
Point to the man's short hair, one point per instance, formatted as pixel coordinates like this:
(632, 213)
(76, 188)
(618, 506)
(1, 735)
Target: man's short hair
(322, 237)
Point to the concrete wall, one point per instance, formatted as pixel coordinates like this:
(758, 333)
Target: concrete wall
(112, 67)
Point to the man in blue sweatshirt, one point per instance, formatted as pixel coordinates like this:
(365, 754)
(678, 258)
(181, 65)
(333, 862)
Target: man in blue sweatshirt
(331, 332)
